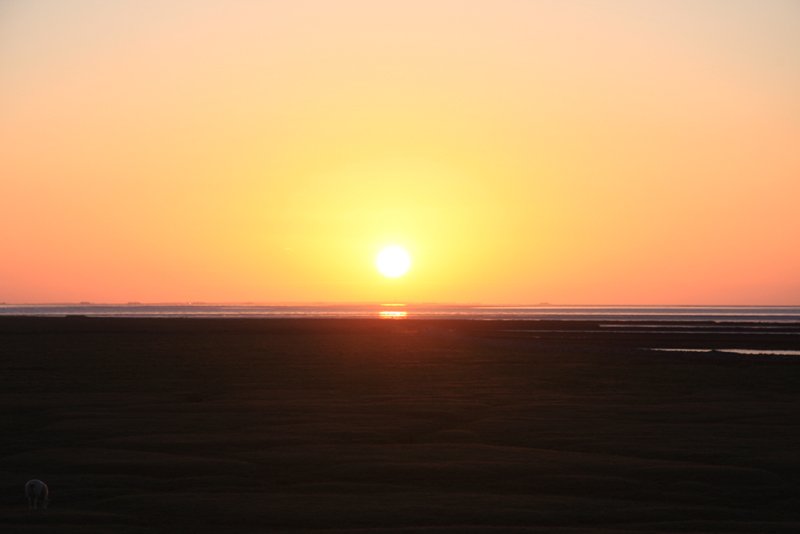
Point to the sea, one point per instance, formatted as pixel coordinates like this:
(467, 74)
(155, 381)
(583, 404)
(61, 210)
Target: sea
(721, 314)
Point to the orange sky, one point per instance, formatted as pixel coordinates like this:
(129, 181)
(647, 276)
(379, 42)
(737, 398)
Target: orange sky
(583, 152)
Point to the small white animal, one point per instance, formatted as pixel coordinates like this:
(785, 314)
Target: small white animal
(37, 493)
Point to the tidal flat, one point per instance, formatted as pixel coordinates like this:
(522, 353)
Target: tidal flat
(367, 425)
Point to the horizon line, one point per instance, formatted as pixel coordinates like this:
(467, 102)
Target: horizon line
(378, 303)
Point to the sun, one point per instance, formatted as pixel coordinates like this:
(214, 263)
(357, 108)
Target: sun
(393, 261)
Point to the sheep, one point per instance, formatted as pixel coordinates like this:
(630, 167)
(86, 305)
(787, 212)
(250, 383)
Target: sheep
(37, 493)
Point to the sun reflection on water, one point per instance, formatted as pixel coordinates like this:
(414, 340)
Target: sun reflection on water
(395, 311)
(392, 314)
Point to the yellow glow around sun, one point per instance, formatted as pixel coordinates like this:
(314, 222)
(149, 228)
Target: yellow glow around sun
(393, 261)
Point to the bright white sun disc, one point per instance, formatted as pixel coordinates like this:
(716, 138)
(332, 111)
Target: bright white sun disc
(393, 261)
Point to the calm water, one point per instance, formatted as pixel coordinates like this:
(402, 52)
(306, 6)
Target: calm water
(746, 352)
(784, 314)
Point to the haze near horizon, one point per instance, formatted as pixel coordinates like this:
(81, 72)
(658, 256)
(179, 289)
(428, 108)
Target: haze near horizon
(576, 152)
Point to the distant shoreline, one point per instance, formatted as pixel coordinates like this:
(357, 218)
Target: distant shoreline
(756, 314)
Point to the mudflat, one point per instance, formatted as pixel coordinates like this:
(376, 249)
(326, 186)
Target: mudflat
(228, 425)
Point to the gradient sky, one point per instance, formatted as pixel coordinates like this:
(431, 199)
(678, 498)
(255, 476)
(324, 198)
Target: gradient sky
(574, 152)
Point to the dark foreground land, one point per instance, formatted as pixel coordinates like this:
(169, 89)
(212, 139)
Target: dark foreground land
(193, 425)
